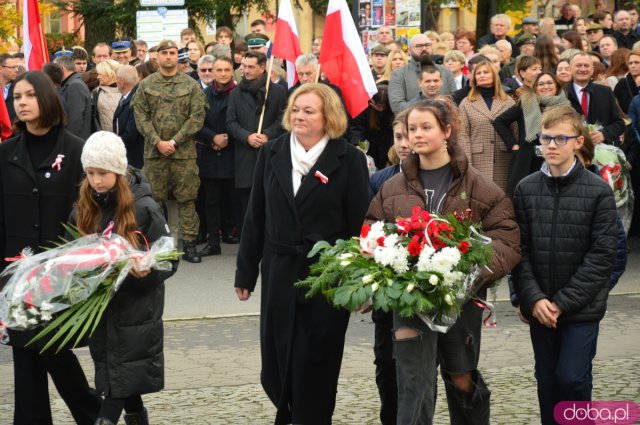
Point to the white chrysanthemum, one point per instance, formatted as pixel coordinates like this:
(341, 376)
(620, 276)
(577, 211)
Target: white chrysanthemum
(46, 316)
(452, 278)
(424, 260)
(32, 321)
(20, 319)
(45, 306)
(445, 260)
(370, 243)
(391, 240)
(400, 261)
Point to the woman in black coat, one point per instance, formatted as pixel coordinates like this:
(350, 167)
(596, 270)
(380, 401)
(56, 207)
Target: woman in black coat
(547, 92)
(127, 345)
(40, 173)
(215, 159)
(309, 185)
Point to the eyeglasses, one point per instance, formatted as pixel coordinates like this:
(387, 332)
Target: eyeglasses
(559, 140)
(422, 46)
(206, 69)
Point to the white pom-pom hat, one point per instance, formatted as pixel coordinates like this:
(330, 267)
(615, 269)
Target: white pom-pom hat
(105, 150)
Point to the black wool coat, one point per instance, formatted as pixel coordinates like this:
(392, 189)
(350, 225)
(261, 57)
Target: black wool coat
(127, 345)
(625, 91)
(524, 161)
(124, 125)
(568, 235)
(34, 204)
(602, 110)
(243, 116)
(215, 164)
(301, 340)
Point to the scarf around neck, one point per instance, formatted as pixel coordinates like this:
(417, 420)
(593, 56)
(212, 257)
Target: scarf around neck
(224, 90)
(303, 160)
(253, 86)
(532, 106)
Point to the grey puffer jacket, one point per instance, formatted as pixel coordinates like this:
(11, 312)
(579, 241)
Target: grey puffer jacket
(569, 237)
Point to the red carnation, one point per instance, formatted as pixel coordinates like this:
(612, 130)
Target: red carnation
(380, 241)
(414, 248)
(45, 285)
(415, 212)
(365, 230)
(463, 247)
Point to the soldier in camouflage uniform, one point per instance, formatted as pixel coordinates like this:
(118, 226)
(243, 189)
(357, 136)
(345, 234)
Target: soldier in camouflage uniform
(169, 108)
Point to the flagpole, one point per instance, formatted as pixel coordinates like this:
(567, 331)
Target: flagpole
(266, 93)
(318, 74)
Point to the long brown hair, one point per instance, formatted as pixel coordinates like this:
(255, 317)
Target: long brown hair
(89, 213)
(474, 94)
(545, 50)
(446, 115)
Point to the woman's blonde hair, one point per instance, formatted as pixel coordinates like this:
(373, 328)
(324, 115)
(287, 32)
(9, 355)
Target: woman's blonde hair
(335, 117)
(108, 68)
(433, 35)
(386, 76)
(499, 93)
(89, 213)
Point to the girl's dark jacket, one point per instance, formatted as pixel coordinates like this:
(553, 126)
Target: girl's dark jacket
(127, 346)
(34, 204)
(569, 239)
(469, 189)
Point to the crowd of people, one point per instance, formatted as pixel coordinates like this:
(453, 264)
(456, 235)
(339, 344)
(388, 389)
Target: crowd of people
(503, 126)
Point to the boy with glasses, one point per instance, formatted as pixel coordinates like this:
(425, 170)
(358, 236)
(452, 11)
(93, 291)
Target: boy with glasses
(567, 218)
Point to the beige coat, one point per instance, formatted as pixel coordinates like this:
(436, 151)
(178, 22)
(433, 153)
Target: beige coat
(482, 145)
(107, 103)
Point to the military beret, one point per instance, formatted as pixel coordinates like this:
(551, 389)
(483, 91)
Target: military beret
(380, 49)
(121, 46)
(183, 55)
(167, 44)
(530, 20)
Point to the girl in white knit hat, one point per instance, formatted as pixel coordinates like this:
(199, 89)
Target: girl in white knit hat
(127, 346)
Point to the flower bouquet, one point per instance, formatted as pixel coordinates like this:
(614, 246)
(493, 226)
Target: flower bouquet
(78, 279)
(424, 265)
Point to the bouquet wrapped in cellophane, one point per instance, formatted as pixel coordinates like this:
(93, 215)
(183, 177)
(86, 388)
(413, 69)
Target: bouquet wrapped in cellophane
(66, 289)
(424, 266)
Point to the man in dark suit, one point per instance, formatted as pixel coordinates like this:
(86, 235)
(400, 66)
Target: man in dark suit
(596, 103)
(124, 122)
(8, 74)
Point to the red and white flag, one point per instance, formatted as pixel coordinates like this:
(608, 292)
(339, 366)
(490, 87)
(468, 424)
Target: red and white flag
(5, 122)
(343, 60)
(35, 47)
(286, 44)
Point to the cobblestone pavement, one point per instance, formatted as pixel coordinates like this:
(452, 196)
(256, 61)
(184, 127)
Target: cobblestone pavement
(212, 371)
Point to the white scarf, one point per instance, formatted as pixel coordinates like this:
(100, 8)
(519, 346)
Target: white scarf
(302, 160)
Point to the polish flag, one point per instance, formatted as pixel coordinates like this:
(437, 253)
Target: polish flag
(35, 47)
(5, 122)
(286, 44)
(343, 60)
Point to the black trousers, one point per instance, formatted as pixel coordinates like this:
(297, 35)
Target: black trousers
(32, 406)
(385, 366)
(219, 201)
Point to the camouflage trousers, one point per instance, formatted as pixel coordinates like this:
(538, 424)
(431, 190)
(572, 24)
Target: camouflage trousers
(180, 177)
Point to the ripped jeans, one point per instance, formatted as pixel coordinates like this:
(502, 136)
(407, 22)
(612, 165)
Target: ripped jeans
(457, 351)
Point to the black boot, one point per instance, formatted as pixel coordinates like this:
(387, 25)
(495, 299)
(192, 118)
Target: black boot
(190, 253)
(103, 421)
(202, 238)
(228, 238)
(137, 418)
(212, 248)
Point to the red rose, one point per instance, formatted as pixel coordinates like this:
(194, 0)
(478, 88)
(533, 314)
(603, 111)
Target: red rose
(463, 247)
(415, 212)
(365, 230)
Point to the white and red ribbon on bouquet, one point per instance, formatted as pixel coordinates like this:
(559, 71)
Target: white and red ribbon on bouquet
(323, 179)
(58, 162)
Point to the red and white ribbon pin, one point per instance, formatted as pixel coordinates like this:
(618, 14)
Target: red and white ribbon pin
(324, 179)
(58, 162)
